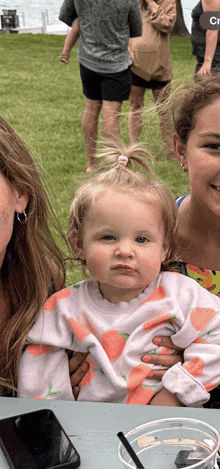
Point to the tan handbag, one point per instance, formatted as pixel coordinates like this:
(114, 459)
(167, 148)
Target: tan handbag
(150, 52)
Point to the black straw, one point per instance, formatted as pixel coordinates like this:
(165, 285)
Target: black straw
(130, 450)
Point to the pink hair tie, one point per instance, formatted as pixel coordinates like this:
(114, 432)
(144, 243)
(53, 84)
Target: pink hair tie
(123, 159)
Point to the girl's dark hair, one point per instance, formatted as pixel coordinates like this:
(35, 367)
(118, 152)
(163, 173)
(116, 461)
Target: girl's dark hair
(188, 99)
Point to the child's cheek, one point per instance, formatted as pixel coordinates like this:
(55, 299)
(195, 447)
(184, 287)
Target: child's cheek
(151, 261)
(147, 260)
(97, 261)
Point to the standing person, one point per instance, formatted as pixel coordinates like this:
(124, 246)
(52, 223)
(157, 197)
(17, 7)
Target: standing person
(205, 44)
(151, 67)
(105, 29)
(122, 228)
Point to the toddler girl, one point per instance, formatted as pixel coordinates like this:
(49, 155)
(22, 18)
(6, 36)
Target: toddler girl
(122, 229)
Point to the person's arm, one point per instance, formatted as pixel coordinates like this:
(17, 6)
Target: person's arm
(43, 367)
(70, 42)
(135, 20)
(211, 38)
(210, 46)
(78, 367)
(163, 15)
(166, 398)
(200, 360)
(51, 327)
(199, 374)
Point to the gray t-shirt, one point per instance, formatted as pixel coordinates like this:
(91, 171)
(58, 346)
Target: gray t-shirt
(105, 29)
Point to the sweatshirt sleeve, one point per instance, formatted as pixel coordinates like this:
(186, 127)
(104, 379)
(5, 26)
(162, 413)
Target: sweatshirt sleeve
(200, 372)
(163, 16)
(43, 368)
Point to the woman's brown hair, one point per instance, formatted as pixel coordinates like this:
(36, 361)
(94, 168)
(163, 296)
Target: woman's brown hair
(31, 256)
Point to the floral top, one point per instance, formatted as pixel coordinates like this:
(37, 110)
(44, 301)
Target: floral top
(209, 279)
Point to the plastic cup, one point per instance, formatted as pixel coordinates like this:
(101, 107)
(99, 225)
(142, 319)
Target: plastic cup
(171, 444)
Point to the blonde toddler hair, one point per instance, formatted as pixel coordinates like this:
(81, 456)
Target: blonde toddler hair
(121, 178)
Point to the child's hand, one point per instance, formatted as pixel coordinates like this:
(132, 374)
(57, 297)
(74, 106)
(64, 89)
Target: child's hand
(64, 58)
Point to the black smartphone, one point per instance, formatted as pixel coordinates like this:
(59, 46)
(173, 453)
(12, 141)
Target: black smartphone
(37, 440)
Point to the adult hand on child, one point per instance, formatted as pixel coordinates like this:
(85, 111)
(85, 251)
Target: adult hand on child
(163, 360)
(78, 367)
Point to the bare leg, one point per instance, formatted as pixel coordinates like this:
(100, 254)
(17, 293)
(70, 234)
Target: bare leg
(90, 129)
(134, 119)
(111, 114)
(165, 121)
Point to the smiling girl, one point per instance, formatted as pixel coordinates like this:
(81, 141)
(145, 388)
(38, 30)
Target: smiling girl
(195, 112)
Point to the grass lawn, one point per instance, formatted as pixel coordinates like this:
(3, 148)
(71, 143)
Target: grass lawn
(42, 100)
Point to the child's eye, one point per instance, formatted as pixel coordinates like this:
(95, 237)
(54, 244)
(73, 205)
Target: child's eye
(213, 146)
(141, 239)
(108, 237)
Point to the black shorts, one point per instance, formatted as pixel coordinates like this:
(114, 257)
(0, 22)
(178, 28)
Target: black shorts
(106, 86)
(152, 84)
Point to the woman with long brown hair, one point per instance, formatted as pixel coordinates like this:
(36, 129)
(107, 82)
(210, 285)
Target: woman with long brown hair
(31, 264)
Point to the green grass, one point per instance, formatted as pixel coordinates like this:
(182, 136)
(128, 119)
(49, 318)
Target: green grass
(42, 100)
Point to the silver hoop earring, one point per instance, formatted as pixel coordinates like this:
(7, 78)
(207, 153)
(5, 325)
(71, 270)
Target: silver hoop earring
(23, 220)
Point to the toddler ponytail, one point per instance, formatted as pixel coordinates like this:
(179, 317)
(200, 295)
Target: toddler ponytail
(118, 155)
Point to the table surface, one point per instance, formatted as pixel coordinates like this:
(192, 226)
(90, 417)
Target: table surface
(93, 427)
